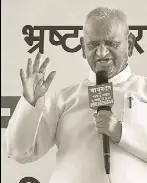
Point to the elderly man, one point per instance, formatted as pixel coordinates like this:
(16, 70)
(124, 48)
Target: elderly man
(66, 120)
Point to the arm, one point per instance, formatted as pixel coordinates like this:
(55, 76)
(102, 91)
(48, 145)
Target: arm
(131, 134)
(31, 129)
(134, 130)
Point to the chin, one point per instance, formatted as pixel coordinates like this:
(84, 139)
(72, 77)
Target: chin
(112, 74)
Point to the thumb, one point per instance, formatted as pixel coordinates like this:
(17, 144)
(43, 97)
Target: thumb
(95, 115)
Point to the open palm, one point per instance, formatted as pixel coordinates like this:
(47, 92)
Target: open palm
(34, 85)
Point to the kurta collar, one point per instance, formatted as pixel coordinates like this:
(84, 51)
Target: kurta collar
(119, 78)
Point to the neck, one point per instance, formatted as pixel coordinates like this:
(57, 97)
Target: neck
(120, 77)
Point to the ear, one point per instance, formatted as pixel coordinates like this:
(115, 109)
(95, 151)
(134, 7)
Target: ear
(131, 42)
(83, 46)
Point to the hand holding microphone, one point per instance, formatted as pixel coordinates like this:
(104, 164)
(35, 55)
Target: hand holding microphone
(107, 124)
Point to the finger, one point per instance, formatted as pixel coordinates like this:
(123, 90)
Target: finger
(36, 62)
(95, 115)
(99, 125)
(104, 112)
(49, 79)
(22, 76)
(101, 131)
(44, 66)
(99, 121)
(29, 67)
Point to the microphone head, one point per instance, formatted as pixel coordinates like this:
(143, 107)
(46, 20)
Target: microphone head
(101, 77)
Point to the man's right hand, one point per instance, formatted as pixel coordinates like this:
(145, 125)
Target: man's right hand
(34, 85)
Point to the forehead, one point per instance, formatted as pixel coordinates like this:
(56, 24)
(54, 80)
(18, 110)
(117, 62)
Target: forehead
(104, 29)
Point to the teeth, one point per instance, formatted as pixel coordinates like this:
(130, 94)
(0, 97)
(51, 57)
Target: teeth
(105, 62)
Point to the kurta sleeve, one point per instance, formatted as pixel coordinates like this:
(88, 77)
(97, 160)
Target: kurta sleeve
(134, 130)
(31, 130)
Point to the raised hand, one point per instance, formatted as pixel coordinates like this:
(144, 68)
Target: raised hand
(34, 85)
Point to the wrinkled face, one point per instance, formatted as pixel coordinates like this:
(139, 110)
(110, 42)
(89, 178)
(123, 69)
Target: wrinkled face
(106, 45)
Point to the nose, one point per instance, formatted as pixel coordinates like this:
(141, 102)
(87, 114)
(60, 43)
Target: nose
(102, 50)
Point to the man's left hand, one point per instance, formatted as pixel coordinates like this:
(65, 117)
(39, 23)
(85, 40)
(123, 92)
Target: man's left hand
(107, 123)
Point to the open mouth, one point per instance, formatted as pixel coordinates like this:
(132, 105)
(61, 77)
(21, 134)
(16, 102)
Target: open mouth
(104, 62)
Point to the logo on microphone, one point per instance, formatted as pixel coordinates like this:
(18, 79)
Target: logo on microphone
(100, 95)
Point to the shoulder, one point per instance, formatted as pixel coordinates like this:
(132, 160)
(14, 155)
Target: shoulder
(139, 83)
(138, 78)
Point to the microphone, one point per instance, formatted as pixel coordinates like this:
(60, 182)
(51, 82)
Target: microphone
(102, 78)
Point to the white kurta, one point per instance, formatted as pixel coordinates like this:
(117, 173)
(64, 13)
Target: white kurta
(67, 121)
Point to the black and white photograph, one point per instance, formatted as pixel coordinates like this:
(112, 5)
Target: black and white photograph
(74, 91)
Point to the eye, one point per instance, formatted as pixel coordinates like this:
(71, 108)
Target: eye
(92, 45)
(113, 44)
